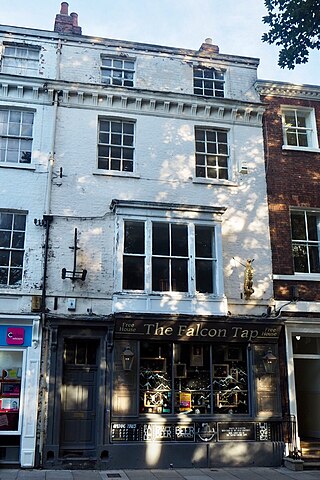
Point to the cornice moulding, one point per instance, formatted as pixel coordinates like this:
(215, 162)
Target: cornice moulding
(282, 89)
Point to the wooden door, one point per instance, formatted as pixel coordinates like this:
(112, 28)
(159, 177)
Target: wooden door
(79, 398)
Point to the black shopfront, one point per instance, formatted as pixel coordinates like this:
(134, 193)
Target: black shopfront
(132, 391)
(203, 392)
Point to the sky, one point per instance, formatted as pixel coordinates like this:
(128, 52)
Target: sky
(234, 25)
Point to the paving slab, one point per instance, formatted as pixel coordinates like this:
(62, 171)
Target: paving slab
(140, 475)
(167, 474)
(58, 475)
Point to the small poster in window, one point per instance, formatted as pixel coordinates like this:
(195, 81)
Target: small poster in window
(185, 401)
(10, 403)
(10, 389)
(11, 373)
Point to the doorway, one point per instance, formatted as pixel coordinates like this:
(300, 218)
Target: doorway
(307, 386)
(79, 398)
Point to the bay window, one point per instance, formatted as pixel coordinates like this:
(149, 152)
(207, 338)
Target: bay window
(161, 256)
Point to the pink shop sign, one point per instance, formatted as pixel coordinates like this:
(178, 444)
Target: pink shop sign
(15, 336)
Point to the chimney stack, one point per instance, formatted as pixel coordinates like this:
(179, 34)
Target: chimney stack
(65, 23)
(208, 48)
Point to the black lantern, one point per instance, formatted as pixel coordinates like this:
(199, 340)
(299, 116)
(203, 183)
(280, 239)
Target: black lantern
(127, 359)
(269, 361)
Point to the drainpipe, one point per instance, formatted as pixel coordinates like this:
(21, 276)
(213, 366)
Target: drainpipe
(47, 217)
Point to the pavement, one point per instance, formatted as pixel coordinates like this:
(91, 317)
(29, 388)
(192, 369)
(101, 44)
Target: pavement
(252, 473)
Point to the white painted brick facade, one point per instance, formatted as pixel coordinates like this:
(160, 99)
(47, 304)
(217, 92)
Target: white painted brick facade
(165, 112)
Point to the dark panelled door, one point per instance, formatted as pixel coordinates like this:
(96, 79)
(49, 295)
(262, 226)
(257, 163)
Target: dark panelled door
(79, 398)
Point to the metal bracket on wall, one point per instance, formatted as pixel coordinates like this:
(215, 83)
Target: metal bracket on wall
(74, 274)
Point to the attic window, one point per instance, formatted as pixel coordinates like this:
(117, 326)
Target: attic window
(117, 71)
(20, 59)
(208, 82)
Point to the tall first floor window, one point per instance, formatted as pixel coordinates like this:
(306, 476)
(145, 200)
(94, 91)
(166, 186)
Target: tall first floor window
(193, 378)
(305, 231)
(212, 153)
(116, 145)
(12, 238)
(16, 136)
(161, 256)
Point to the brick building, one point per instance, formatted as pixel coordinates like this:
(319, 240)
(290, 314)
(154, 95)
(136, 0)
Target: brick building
(292, 154)
(155, 275)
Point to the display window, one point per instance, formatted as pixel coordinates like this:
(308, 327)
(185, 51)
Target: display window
(192, 378)
(11, 365)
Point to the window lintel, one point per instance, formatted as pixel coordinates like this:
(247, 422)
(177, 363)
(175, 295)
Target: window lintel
(117, 204)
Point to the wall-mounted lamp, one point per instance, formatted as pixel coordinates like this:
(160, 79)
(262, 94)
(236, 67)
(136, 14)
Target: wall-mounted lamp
(269, 362)
(127, 359)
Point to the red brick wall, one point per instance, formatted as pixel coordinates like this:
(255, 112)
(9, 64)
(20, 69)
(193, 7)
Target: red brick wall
(293, 180)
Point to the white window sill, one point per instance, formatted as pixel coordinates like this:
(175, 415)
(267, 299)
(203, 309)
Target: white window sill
(19, 166)
(300, 149)
(307, 277)
(172, 303)
(209, 181)
(114, 173)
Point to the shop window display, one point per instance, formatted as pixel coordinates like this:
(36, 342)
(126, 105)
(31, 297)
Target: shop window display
(194, 379)
(10, 389)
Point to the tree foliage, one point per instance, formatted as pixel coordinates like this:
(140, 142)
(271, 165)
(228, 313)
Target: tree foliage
(294, 25)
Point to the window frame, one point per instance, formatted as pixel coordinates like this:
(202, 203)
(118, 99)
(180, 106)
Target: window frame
(6, 137)
(306, 243)
(11, 249)
(25, 65)
(208, 83)
(108, 146)
(206, 154)
(117, 81)
(309, 130)
(191, 259)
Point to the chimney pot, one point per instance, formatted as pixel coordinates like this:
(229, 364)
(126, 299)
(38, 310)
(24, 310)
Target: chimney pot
(208, 40)
(74, 19)
(64, 8)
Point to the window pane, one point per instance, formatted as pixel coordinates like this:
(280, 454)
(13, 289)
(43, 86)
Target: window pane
(303, 139)
(6, 220)
(4, 257)
(313, 221)
(298, 227)
(4, 276)
(230, 379)
(133, 273)
(204, 241)
(134, 237)
(160, 238)
(314, 253)
(127, 166)
(179, 275)
(204, 276)
(18, 240)
(192, 378)
(179, 240)
(160, 274)
(291, 138)
(155, 378)
(15, 276)
(16, 259)
(5, 239)
(290, 119)
(300, 258)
